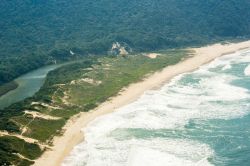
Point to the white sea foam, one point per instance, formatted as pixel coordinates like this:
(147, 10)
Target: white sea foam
(151, 157)
(124, 138)
(226, 67)
(247, 70)
(227, 61)
(134, 152)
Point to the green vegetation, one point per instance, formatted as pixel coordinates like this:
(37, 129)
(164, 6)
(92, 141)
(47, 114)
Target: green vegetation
(69, 90)
(12, 147)
(8, 87)
(40, 129)
(113, 74)
(37, 32)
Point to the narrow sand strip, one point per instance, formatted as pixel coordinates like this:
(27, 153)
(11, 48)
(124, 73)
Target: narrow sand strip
(152, 55)
(35, 114)
(73, 135)
(26, 139)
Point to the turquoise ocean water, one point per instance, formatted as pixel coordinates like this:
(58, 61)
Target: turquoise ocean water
(198, 119)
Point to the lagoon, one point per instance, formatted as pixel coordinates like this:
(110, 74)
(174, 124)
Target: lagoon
(28, 85)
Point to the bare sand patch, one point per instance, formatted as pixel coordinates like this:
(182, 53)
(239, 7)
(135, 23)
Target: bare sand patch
(152, 55)
(35, 114)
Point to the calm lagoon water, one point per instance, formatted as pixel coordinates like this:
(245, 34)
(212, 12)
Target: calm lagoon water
(200, 118)
(29, 84)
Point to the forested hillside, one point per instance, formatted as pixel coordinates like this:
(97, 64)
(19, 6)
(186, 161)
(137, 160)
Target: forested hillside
(37, 32)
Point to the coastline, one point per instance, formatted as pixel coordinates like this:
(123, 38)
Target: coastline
(73, 135)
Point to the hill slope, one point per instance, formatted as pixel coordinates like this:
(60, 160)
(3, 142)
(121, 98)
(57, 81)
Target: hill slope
(36, 32)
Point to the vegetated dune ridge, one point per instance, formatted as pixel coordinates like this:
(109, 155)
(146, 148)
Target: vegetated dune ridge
(73, 134)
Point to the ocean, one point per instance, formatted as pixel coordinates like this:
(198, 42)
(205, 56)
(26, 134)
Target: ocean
(200, 118)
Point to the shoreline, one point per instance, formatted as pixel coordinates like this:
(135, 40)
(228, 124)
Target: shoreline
(7, 87)
(73, 135)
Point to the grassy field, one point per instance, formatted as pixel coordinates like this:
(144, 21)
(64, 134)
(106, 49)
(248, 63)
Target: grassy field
(112, 75)
(68, 90)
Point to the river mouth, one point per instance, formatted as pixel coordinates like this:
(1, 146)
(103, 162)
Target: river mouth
(28, 85)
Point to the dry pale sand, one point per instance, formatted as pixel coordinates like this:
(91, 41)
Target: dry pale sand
(73, 135)
(152, 55)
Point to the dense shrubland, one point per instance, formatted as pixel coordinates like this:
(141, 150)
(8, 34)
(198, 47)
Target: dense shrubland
(34, 33)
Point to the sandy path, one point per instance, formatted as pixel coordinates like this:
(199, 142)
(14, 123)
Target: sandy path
(35, 114)
(72, 136)
(26, 139)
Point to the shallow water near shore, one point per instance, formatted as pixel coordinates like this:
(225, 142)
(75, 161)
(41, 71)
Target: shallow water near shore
(199, 118)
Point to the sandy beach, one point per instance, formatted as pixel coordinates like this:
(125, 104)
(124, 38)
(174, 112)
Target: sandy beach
(73, 134)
